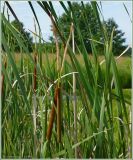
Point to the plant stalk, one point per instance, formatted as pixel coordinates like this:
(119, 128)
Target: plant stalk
(74, 98)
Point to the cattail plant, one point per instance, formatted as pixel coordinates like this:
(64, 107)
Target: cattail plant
(34, 93)
(57, 99)
(58, 86)
(74, 95)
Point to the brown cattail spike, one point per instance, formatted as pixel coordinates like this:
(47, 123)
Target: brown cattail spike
(52, 113)
(51, 121)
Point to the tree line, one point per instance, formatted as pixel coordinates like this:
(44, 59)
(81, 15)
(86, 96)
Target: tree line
(65, 21)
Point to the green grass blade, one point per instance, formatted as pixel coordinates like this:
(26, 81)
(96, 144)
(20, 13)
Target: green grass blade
(32, 8)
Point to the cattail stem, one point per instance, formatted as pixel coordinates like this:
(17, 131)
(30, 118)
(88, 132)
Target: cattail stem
(59, 114)
(65, 48)
(34, 95)
(57, 45)
(34, 104)
(35, 73)
(74, 95)
(58, 98)
(2, 80)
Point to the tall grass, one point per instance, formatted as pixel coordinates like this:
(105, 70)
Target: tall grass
(48, 131)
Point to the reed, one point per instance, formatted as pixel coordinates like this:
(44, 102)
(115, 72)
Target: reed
(58, 104)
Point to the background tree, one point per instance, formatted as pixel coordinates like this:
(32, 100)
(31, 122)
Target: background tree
(27, 39)
(65, 22)
(118, 38)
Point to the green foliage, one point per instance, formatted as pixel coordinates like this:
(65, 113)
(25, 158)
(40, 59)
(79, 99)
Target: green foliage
(124, 69)
(46, 47)
(27, 39)
(118, 39)
(65, 22)
(12, 41)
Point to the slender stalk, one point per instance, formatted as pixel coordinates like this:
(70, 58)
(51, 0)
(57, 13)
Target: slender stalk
(35, 62)
(34, 94)
(34, 122)
(2, 80)
(35, 73)
(57, 46)
(74, 96)
(59, 114)
(66, 48)
(34, 101)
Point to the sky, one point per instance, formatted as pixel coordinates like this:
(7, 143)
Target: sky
(111, 9)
